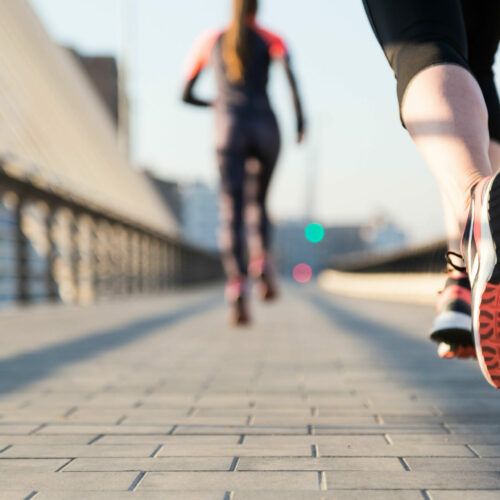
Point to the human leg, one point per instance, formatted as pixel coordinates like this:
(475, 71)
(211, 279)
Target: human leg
(260, 169)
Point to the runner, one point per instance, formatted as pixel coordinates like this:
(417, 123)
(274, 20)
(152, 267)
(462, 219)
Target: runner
(442, 54)
(247, 143)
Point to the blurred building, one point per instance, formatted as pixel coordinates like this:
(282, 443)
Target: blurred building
(200, 214)
(103, 73)
(170, 192)
(291, 246)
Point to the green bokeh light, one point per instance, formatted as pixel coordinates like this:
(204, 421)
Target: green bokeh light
(315, 232)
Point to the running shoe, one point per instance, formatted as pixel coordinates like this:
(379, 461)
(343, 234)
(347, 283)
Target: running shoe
(262, 270)
(481, 248)
(237, 297)
(452, 328)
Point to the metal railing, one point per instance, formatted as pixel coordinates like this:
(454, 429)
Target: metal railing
(422, 259)
(55, 246)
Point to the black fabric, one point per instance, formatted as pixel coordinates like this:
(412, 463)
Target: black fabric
(248, 145)
(416, 34)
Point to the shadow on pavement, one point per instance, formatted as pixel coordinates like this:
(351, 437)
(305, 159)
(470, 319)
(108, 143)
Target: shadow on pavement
(415, 360)
(23, 369)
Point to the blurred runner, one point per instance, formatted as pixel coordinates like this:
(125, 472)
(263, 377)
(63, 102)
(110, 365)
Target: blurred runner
(247, 143)
(442, 54)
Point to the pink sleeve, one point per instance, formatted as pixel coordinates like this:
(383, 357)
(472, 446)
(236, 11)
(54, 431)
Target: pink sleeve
(277, 47)
(199, 56)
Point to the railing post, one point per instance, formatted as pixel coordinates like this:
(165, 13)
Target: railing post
(21, 244)
(52, 293)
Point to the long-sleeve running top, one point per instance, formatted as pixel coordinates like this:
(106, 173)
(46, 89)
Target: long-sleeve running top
(252, 92)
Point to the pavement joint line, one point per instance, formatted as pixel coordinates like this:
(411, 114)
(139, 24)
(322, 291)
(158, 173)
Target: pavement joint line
(156, 451)
(315, 450)
(64, 465)
(6, 448)
(405, 464)
(94, 440)
(70, 411)
(241, 439)
(137, 481)
(323, 486)
(33, 494)
(388, 439)
(121, 420)
(192, 411)
(436, 411)
(39, 428)
(234, 464)
(446, 427)
(476, 454)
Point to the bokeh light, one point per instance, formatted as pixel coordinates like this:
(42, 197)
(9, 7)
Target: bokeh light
(315, 232)
(302, 273)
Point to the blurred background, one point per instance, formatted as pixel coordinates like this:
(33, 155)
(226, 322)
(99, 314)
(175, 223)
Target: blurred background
(91, 110)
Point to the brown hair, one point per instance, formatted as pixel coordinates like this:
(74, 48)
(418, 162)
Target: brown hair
(236, 43)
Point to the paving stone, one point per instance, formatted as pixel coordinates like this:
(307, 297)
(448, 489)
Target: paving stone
(343, 441)
(487, 450)
(235, 451)
(73, 451)
(319, 464)
(105, 429)
(465, 495)
(446, 439)
(35, 439)
(150, 464)
(413, 480)
(69, 481)
(136, 495)
(411, 450)
(330, 495)
(169, 440)
(22, 429)
(453, 464)
(15, 495)
(31, 465)
(230, 480)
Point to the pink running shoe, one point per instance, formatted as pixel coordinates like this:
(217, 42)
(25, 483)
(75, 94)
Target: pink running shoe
(237, 297)
(481, 250)
(262, 270)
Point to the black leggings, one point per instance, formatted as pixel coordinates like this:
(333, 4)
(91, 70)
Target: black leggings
(416, 34)
(248, 146)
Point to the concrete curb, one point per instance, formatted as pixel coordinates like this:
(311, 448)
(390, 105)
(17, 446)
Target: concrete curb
(409, 288)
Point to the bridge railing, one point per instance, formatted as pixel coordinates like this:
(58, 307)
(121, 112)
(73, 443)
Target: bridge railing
(419, 259)
(56, 246)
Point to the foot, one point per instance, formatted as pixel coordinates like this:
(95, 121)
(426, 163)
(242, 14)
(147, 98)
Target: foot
(237, 297)
(262, 270)
(481, 250)
(452, 328)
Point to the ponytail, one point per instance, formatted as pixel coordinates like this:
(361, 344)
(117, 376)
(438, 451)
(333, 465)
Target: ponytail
(236, 41)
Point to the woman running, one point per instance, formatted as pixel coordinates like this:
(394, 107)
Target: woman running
(442, 54)
(247, 143)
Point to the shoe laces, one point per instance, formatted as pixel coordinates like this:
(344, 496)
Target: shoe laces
(448, 255)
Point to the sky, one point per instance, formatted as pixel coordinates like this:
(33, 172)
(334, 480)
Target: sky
(357, 160)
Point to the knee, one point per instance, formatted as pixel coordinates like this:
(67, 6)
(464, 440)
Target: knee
(410, 57)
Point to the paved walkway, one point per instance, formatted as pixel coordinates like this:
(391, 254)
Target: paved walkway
(324, 398)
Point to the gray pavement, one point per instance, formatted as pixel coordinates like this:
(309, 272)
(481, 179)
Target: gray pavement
(323, 398)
